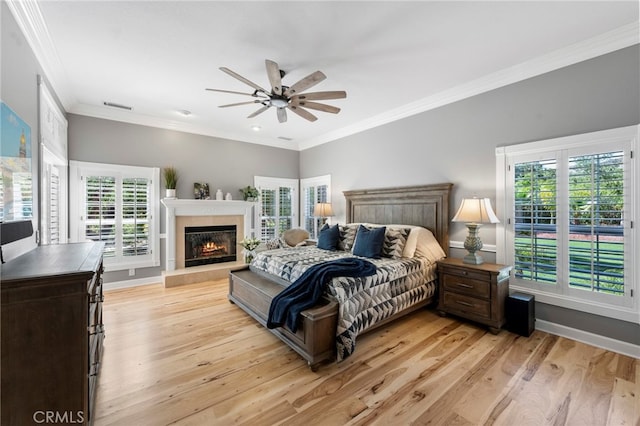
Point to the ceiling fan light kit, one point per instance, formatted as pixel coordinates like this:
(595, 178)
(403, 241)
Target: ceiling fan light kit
(285, 97)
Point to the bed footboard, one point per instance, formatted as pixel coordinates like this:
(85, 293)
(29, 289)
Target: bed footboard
(315, 337)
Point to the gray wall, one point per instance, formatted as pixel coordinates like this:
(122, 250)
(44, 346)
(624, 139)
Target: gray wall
(225, 164)
(456, 143)
(19, 90)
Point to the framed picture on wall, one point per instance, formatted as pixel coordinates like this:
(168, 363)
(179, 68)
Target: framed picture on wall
(201, 191)
(16, 189)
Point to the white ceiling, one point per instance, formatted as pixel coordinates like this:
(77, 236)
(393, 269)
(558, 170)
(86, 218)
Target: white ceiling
(392, 58)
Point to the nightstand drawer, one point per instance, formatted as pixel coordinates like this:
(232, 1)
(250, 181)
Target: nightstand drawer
(467, 286)
(458, 303)
(467, 273)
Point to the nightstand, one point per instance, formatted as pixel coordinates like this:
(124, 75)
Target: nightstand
(475, 292)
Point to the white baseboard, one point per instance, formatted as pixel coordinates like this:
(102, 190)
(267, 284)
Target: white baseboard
(603, 342)
(132, 283)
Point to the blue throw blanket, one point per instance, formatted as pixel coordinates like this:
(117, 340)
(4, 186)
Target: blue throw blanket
(305, 292)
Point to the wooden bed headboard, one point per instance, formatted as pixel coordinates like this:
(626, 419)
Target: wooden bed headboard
(424, 205)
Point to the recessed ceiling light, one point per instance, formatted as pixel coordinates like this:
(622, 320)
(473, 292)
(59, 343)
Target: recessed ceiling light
(256, 128)
(114, 105)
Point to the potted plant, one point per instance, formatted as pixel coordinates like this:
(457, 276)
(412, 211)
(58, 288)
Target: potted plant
(249, 244)
(170, 181)
(250, 193)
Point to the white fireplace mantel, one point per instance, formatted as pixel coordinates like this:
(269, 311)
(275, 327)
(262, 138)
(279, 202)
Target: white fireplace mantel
(178, 207)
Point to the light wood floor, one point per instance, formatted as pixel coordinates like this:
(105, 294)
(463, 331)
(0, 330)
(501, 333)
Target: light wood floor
(187, 356)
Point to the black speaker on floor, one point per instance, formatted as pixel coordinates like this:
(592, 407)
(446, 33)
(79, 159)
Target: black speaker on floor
(520, 313)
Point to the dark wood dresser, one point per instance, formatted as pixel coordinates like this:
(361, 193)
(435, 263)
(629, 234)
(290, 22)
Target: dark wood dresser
(52, 334)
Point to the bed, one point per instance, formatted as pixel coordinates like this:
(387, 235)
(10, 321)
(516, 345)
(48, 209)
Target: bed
(399, 286)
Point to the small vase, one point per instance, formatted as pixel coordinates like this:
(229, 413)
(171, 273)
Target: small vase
(170, 193)
(219, 195)
(249, 255)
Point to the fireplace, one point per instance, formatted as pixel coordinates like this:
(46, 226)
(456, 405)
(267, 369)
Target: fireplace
(209, 244)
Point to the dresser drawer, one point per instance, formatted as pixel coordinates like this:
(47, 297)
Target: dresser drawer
(466, 285)
(465, 305)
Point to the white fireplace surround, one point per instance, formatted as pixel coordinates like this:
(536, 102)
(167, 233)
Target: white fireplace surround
(177, 207)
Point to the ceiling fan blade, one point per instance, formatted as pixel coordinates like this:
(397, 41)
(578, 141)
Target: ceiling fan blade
(273, 71)
(282, 115)
(303, 113)
(254, 94)
(316, 106)
(307, 82)
(240, 103)
(244, 80)
(338, 94)
(260, 111)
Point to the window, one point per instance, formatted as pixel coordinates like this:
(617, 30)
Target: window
(278, 205)
(118, 205)
(314, 190)
(568, 224)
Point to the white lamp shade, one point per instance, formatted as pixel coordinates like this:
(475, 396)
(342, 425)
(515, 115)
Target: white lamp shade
(323, 210)
(476, 210)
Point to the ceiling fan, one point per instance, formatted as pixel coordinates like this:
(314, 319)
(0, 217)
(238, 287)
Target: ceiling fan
(282, 97)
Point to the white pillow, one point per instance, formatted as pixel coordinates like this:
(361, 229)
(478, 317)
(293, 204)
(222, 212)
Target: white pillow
(422, 242)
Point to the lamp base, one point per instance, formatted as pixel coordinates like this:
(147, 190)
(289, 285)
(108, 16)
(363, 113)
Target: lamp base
(473, 259)
(473, 243)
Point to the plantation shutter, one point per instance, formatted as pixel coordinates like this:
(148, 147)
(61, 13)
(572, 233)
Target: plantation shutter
(100, 214)
(53, 206)
(535, 218)
(269, 207)
(285, 216)
(135, 216)
(596, 231)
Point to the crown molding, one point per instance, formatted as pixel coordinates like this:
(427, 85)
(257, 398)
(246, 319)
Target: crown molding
(30, 20)
(619, 38)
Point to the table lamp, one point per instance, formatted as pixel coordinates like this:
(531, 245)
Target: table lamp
(474, 212)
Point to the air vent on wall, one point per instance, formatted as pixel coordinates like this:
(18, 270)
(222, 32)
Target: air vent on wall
(114, 105)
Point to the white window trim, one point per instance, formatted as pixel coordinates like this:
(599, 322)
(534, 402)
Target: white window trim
(79, 168)
(631, 135)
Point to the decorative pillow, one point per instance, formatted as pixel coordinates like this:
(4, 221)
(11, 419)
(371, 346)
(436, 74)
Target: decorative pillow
(273, 243)
(394, 242)
(347, 236)
(426, 245)
(369, 242)
(328, 238)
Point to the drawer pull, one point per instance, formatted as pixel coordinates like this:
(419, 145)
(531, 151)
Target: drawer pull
(460, 302)
(464, 285)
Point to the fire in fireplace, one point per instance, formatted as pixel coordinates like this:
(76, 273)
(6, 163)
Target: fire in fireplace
(209, 244)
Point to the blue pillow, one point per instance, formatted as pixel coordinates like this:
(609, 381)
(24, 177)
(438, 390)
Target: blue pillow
(329, 237)
(369, 242)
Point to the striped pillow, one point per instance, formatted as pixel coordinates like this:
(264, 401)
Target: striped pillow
(394, 242)
(347, 236)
